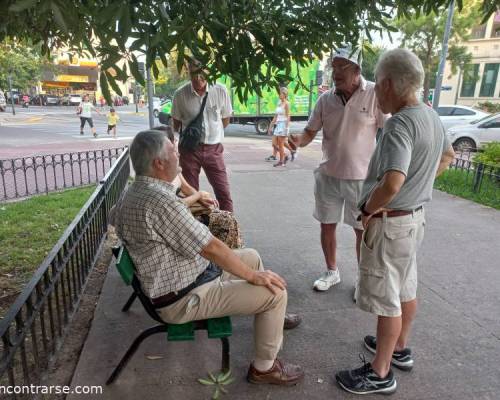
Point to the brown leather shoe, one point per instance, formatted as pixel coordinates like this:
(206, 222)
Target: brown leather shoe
(280, 374)
(292, 321)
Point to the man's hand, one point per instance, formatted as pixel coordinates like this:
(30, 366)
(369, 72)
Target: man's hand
(206, 199)
(365, 219)
(296, 139)
(268, 279)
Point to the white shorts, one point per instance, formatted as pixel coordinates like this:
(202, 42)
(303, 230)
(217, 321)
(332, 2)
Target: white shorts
(388, 263)
(280, 129)
(336, 198)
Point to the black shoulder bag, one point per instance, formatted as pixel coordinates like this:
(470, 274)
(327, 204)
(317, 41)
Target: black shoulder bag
(190, 138)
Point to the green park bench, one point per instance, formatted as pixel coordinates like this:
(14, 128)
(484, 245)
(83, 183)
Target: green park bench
(217, 328)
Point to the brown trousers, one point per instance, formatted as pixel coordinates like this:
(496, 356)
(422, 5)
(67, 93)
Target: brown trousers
(211, 158)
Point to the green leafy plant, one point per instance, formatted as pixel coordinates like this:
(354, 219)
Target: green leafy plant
(489, 106)
(222, 379)
(490, 154)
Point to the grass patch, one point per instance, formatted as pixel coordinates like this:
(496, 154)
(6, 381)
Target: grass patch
(28, 231)
(460, 183)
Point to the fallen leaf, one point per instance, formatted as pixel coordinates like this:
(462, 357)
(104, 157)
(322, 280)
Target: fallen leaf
(154, 357)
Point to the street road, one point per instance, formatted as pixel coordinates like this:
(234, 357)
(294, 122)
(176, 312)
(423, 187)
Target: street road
(49, 130)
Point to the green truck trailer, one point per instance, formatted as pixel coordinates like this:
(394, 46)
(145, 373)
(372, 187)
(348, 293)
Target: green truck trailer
(259, 110)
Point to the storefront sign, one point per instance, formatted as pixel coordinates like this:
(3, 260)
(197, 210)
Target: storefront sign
(72, 78)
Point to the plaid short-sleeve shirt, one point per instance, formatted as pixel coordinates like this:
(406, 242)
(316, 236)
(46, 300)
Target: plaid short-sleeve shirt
(161, 235)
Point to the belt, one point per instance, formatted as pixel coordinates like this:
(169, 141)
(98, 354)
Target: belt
(209, 274)
(396, 213)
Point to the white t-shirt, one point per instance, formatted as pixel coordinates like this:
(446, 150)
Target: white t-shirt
(186, 106)
(86, 108)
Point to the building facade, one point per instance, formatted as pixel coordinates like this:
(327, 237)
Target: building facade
(479, 81)
(75, 74)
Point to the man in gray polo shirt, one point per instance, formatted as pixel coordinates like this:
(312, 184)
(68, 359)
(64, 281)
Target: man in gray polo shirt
(411, 152)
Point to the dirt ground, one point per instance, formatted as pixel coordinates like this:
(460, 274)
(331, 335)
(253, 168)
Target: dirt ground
(63, 366)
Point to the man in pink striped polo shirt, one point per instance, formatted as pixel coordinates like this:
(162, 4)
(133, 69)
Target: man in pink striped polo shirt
(350, 117)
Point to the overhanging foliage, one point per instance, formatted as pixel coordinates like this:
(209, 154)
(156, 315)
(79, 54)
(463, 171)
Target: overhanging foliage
(239, 38)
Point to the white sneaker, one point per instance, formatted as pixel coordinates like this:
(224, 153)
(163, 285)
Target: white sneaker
(327, 280)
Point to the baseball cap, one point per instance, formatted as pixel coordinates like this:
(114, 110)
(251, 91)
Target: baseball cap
(349, 54)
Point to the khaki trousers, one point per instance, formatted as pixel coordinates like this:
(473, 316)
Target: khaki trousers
(229, 295)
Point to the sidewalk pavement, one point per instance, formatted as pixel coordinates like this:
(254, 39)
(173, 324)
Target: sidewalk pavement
(456, 340)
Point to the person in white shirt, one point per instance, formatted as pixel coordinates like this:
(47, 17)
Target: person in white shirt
(209, 155)
(85, 112)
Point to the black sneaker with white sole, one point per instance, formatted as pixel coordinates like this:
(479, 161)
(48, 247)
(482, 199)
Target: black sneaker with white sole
(400, 359)
(364, 380)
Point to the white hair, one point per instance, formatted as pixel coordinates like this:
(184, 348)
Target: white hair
(145, 148)
(403, 68)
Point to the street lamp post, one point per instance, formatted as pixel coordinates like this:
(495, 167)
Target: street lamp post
(11, 96)
(444, 53)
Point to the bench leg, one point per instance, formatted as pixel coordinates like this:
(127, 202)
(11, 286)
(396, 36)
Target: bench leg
(133, 348)
(225, 354)
(129, 302)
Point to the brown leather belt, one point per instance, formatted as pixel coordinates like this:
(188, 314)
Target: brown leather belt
(396, 213)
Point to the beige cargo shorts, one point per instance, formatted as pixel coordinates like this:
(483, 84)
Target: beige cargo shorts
(388, 263)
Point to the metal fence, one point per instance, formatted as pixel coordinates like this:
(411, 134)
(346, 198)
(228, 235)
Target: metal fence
(480, 178)
(22, 177)
(34, 326)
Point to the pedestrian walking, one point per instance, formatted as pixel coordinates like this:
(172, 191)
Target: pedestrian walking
(113, 119)
(209, 108)
(280, 129)
(411, 152)
(350, 117)
(84, 110)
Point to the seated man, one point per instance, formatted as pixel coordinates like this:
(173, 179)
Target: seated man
(178, 260)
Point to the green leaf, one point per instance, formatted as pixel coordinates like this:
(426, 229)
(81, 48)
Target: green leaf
(22, 5)
(134, 68)
(112, 82)
(229, 381)
(205, 382)
(59, 17)
(180, 57)
(105, 89)
(223, 376)
(216, 394)
(212, 376)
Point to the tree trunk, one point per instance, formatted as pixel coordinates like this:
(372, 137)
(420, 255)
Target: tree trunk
(427, 80)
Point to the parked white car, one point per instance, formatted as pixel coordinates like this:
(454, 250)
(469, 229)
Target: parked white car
(452, 115)
(71, 100)
(156, 106)
(471, 136)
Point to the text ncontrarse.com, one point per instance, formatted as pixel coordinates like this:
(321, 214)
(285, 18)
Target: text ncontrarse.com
(50, 389)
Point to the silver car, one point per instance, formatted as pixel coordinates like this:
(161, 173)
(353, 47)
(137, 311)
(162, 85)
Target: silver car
(451, 115)
(471, 136)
